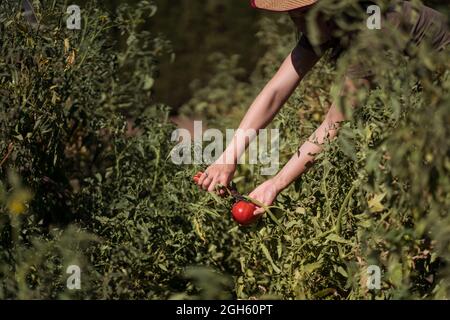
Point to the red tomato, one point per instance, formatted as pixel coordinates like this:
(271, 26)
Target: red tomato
(243, 212)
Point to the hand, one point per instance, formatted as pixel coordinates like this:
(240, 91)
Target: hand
(266, 193)
(217, 173)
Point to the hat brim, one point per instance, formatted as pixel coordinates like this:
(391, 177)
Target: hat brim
(281, 6)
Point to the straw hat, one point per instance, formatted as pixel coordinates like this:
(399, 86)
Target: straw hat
(281, 5)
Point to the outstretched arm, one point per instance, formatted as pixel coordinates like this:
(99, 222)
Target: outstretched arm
(304, 158)
(258, 116)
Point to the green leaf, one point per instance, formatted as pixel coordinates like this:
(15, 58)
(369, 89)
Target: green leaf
(334, 237)
(269, 257)
(148, 82)
(375, 204)
(342, 271)
(311, 267)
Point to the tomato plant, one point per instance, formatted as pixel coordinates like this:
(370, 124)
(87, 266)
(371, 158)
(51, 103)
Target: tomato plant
(76, 187)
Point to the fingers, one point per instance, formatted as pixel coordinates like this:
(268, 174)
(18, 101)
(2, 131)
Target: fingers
(223, 180)
(258, 211)
(202, 179)
(206, 182)
(214, 175)
(265, 195)
(209, 180)
(197, 177)
(218, 180)
(212, 185)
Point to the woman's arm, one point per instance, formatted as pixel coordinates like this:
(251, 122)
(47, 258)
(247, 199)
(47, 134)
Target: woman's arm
(259, 115)
(302, 160)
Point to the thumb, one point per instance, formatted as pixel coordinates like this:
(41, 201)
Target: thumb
(258, 211)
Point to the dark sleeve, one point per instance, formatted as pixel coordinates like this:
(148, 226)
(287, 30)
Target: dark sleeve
(304, 57)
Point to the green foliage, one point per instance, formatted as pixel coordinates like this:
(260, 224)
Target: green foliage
(378, 194)
(102, 193)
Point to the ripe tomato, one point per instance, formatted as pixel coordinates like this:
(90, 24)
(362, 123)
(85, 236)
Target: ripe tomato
(243, 212)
